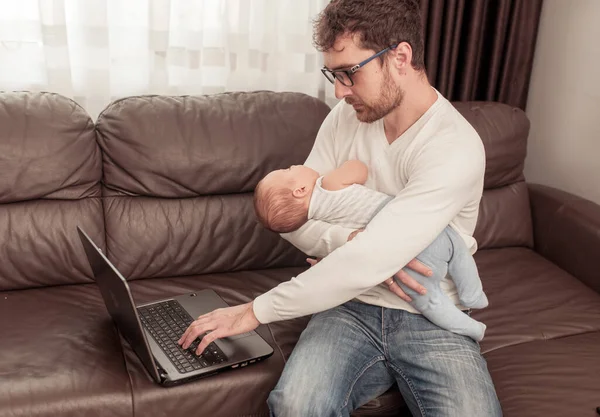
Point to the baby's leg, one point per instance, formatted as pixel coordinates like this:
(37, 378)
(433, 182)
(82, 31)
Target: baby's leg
(440, 310)
(436, 305)
(463, 270)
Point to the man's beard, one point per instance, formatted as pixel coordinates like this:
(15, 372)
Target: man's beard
(391, 96)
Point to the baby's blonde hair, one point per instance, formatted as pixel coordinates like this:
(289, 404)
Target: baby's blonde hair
(277, 208)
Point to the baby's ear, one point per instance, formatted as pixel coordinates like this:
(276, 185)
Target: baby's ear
(300, 192)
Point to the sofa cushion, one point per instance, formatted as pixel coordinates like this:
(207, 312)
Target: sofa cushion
(566, 230)
(503, 130)
(60, 355)
(504, 218)
(531, 299)
(50, 183)
(189, 146)
(180, 172)
(154, 237)
(557, 377)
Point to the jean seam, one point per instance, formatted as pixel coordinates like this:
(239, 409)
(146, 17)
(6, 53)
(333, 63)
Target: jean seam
(411, 387)
(383, 338)
(361, 373)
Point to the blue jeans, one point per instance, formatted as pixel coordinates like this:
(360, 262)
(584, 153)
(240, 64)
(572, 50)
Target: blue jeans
(355, 352)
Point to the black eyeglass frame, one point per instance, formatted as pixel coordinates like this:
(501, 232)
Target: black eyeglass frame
(331, 74)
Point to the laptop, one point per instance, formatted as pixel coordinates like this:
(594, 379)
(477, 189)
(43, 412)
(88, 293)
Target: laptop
(153, 329)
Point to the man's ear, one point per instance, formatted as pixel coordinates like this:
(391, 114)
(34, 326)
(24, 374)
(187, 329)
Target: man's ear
(402, 57)
(300, 192)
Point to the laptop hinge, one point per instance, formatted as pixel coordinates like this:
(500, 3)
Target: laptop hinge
(163, 375)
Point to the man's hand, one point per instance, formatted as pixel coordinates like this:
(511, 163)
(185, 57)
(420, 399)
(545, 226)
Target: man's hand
(222, 322)
(409, 281)
(402, 276)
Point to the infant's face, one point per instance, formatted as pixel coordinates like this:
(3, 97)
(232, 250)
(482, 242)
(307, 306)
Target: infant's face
(294, 176)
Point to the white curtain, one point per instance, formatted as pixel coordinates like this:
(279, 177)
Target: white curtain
(95, 51)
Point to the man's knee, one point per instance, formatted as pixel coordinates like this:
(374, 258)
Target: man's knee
(478, 399)
(305, 401)
(487, 407)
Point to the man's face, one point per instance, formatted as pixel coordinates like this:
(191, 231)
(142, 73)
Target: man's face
(375, 93)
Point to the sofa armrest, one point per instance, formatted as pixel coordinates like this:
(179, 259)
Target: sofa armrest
(566, 231)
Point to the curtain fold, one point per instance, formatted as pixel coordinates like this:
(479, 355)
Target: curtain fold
(95, 51)
(481, 49)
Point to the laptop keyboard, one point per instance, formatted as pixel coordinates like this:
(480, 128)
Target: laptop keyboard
(166, 321)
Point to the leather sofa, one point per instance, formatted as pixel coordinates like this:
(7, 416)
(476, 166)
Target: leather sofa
(164, 185)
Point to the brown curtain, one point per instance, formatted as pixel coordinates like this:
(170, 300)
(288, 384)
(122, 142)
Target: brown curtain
(481, 49)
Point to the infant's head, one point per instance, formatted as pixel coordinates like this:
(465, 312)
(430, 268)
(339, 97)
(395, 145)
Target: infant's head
(281, 199)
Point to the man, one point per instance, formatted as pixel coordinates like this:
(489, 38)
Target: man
(365, 336)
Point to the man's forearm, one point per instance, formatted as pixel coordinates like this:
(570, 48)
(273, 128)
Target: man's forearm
(318, 238)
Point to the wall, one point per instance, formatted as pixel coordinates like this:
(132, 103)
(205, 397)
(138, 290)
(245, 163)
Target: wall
(564, 99)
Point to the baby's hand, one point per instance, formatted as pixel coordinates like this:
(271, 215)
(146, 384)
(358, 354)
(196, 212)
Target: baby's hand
(353, 234)
(313, 261)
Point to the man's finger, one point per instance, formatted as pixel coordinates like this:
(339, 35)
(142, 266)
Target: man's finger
(195, 323)
(395, 288)
(419, 267)
(207, 340)
(197, 330)
(410, 282)
(184, 335)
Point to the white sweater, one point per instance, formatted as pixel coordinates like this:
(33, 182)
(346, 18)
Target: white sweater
(435, 169)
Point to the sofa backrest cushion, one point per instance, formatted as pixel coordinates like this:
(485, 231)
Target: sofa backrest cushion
(505, 215)
(179, 173)
(51, 169)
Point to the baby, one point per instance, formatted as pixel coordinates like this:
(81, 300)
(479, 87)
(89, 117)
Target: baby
(287, 198)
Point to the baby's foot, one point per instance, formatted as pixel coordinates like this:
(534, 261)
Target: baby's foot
(479, 302)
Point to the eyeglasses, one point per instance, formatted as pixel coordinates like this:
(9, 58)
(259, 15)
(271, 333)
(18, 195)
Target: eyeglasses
(344, 75)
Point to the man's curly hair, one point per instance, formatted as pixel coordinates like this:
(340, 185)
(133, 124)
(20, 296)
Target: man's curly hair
(379, 24)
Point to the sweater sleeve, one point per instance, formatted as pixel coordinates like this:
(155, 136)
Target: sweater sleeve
(318, 238)
(445, 176)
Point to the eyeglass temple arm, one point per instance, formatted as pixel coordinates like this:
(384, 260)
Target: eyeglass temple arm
(366, 61)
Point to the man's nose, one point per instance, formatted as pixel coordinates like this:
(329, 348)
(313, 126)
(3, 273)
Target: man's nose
(341, 91)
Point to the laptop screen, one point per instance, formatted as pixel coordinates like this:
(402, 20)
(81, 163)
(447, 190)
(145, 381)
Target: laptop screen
(119, 303)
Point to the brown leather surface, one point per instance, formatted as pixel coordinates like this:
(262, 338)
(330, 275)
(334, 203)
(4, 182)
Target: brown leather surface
(60, 355)
(531, 299)
(39, 245)
(152, 237)
(189, 146)
(567, 231)
(503, 130)
(390, 404)
(504, 218)
(49, 183)
(557, 377)
(48, 149)
(206, 155)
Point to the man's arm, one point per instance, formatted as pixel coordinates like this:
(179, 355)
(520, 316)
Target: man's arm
(350, 172)
(318, 238)
(444, 178)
